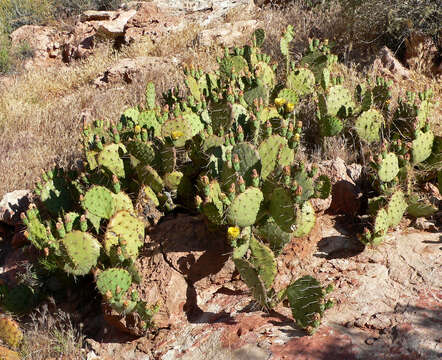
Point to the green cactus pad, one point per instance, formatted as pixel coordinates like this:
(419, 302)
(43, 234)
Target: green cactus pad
(239, 114)
(289, 95)
(266, 74)
(143, 152)
(91, 159)
(382, 222)
(304, 297)
(264, 261)
(148, 120)
(83, 251)
(282, 209)
(389, 168)
(368, 125)
(150, 95)
(99, 202)
(111, 160)
(245, 208)
(330, 125)
(149, 176)
(422, 146)
(257, 92)
(396, 208)
(267, 114)
(172, 180)
(122, 201)
(112, 279)
(272, 233)
(250, 276)
(305, 181)
(248, 161)
(37, 231)
(420, 208)
(302, 81)
(193, 86)
(323, 187)
(259, 36)
(131, 114)
(425, 110)
(338, 101)
(124, 227)
(305, 220)
(178, 129)
(375, 204)
(268, 152)
(213, 213)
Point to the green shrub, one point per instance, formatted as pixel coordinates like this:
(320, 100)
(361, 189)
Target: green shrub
(16, 13)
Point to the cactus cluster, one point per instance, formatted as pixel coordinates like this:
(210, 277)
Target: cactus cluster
(228, 149)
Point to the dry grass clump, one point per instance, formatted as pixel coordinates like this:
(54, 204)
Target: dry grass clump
(52, 335)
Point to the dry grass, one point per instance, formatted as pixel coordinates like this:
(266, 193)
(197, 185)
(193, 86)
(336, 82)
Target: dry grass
(40, 110)
(51, 335)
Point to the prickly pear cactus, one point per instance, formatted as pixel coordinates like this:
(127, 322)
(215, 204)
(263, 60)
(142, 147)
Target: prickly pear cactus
(307, 301)
(82, 250)
(251, 277)
(124, 235)
(388, 168)
(368, 125)
(245, 207)
(422, 146)
(397, 207)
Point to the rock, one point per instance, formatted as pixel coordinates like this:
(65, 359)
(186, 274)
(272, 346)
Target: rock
(183, 264)
(150, 21)
(227, 34)
(93, 15)
(389, 65)
(345, 197)
(115, 27)
(127, 70)
(13, 204)
(421, 54)
(43, 40)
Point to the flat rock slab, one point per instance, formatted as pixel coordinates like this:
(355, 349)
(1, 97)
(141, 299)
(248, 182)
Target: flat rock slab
(388, 306)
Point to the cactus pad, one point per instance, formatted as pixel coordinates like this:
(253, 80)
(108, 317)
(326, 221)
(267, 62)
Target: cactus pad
(368, 125)
(264, 261)
(338, 102)
(110, 159)
(289, 95)
(389, 168)
(330, 125)
(302, 81)
(282, 209)
(250, 276)
(115, 282)
(83, 250)
(396, 208)
(142, 151)
(126, 232)
(245, 208)
(149, 176)
(422, 146)
(268, 152)
(99, 202)
(305, 297)
(305, 220)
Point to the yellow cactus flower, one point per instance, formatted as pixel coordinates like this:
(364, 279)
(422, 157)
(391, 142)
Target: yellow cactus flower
(297, 137)
(279, 102)
(290, 107)
(176, 134)
(137, 129)
(233, 232)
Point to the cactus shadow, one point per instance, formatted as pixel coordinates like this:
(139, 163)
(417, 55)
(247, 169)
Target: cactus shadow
(339, 247)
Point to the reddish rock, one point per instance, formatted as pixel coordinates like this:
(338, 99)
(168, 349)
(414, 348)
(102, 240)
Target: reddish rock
(389, 65)
(326, 344)
(421, 54)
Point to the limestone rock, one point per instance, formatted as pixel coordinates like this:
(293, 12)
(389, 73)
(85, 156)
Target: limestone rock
(227, 34)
